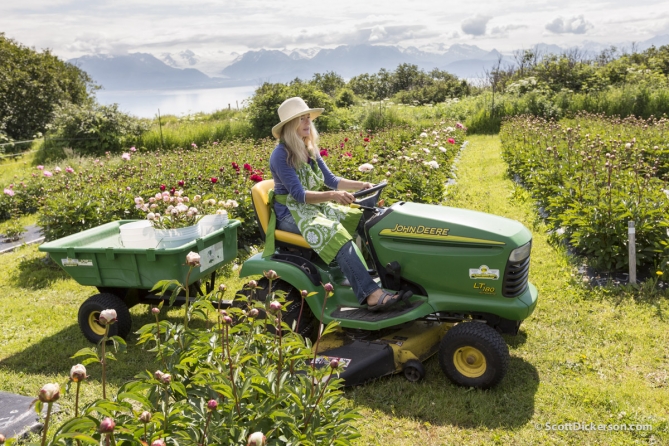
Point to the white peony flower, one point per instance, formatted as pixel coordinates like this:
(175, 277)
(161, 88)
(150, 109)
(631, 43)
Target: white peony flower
(365, 167)
(107, 317)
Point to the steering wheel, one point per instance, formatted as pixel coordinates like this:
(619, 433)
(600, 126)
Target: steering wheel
(371, 190)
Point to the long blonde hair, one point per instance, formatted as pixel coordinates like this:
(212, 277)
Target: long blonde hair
(299, 149)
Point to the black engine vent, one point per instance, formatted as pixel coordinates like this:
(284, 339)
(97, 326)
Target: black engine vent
(515, 278)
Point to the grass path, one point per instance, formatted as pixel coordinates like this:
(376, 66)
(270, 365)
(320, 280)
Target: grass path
(583, 356)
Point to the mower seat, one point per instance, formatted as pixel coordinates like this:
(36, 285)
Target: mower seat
(260, 195)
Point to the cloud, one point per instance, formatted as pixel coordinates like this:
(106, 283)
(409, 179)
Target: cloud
(475, 25)
(573, 25)
(503, 30)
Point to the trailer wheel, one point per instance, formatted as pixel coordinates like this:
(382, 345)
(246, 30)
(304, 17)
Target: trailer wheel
(414, 370)
(89, 312)
(291, 311)
(472, 354)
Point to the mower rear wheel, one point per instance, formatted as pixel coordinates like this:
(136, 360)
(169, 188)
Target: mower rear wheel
(473, 354)
(414, 370)
(89, 313)
(292, 307)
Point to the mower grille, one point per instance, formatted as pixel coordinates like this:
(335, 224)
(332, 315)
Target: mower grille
(515, 278)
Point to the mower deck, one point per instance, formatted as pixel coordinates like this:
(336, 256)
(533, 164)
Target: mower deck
(364, 360)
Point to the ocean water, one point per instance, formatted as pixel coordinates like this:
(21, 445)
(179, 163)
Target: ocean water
(146, 103)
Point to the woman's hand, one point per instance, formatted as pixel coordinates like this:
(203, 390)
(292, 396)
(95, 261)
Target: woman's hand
(342, 197)
(366, 185)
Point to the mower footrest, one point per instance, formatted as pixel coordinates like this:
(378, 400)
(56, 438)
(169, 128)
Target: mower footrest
(362, 314)
(362, 361)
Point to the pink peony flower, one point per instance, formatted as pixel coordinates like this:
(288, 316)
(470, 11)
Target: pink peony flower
(132, 149)
(47, 174)
(158, 442)
(9, 192)
(256, 439)
(349, 154)
(125, 156)
(324, 152)
(40, 167)
(194, 145)
(68, 169)
(58, 169)
(451, 141)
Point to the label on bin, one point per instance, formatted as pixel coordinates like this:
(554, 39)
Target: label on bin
(76, 262)
(211, 256)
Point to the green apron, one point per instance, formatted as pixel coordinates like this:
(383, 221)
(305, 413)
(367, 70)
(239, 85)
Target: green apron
(325, 226)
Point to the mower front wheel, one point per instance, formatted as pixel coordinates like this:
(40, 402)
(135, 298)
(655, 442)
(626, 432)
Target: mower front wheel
(89, 313)
(473, 354)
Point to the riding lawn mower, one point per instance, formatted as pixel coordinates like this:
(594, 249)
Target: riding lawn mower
(462, 275)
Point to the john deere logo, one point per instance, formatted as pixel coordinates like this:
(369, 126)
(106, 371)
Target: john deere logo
(483, 272)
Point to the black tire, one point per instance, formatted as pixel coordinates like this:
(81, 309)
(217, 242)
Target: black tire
(291, 310)
(90, 310)
(472, 354)
(413, 370)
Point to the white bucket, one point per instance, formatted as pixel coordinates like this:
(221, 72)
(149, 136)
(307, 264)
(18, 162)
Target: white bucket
(212, 223)
(138, 234)
(172, 238)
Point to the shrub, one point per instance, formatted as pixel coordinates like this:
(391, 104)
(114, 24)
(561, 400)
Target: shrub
(95, 129)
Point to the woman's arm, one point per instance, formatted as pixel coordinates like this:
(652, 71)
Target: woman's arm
(338, 196)
(345, 184)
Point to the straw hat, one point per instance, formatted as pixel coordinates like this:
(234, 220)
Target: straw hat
(292, 108)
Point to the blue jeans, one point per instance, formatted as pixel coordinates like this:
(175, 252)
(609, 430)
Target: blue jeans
(349, 262)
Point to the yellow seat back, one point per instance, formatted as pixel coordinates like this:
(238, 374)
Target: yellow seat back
(260, 195)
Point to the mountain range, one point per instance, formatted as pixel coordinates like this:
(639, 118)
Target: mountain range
(143, 71)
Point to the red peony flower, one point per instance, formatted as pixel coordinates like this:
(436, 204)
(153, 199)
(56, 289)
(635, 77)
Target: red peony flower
(235, 166)
(162, 187)
(324, 152)
(181, 182)
(451, 140)
(341, 145)
(255, 177)
(220, 169)
(345, 139)
(349, 154)
(248, 167)
(172, 191)
(214, 180)
(366, 139)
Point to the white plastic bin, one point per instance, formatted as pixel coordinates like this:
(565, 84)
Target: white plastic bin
(212, 223)
(138, 234)
(172, 238)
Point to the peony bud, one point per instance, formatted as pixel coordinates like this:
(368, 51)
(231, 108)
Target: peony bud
(78, 373)
(107, 426)
(275, 305)
(145, 417)
(253, 284)
(271, 275)
(334, 363)
(107, 317)
(193, 259)
(166, 378)
(253, 312)
(158, 375)
(256, 439)
(222, 288)
(328, 287)
(304, 294)
(212, 404)
(158, 442)
(227, 320)
(49, 393)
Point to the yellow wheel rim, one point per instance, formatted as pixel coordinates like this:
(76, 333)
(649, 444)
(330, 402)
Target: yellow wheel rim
(94, 325)
(469, 361)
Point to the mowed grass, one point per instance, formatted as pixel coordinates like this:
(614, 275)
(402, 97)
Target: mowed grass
(584, 355)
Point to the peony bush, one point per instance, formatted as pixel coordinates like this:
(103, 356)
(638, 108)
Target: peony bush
(592, 174)
(240, 377)
(416, 162)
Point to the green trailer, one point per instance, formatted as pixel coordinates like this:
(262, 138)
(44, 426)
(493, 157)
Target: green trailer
(124, 275)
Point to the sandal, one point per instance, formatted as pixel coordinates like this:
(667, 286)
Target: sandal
(386, 300)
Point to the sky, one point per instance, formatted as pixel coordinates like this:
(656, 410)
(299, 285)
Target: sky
(221, 30)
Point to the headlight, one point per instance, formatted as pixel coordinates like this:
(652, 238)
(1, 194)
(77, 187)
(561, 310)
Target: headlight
(521, 253)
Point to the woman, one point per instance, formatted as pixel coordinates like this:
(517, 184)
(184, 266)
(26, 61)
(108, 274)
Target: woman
(299, 173)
